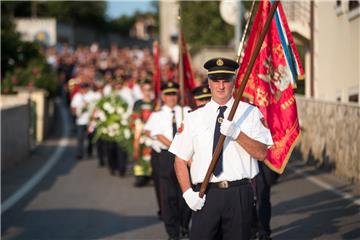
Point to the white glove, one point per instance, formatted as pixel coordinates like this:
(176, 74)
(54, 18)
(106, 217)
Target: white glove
(229, 129)
(193, 200)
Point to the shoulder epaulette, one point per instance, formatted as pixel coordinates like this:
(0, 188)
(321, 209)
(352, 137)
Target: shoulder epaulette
(198, 107)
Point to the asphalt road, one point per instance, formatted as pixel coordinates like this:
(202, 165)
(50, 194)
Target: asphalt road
(79, 200)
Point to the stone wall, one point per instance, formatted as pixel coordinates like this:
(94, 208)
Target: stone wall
(330, 136)
(15, 135)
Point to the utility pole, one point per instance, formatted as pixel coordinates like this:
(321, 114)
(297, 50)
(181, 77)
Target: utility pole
(33, 9)
(238, 24)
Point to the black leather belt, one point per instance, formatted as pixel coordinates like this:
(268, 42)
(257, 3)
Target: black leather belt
(226, 184)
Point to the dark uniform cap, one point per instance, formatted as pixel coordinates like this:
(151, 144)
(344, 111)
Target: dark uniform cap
(118, 80)
(221, 68)
(202, 92)
(84, 85)
(145, 81)
(169, 88)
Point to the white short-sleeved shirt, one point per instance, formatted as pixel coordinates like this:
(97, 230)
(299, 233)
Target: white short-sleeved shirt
(149, 126)
(83, 105)
(163, 125)
(196, 142)
(127, 95)
(107, 90)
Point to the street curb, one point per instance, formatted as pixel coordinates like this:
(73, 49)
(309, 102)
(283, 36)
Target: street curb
(34, 180)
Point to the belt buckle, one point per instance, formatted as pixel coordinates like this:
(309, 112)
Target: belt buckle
(223, 184)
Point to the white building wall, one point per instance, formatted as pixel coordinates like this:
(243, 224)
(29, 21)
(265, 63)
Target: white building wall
(337, 58)
(31, 27)
(169, 11)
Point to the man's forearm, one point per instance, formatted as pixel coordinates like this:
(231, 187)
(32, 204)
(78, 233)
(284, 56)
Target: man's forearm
(164, 140)
(182, 174)
(256, 149)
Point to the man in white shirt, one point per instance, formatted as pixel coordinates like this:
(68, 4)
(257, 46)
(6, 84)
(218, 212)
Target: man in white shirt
(175, 213)
(226, 208)
(80, 106)
(155, 154)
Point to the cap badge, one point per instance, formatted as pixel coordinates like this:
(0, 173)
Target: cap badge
(204, 90)
(170, 84)
(219, 62)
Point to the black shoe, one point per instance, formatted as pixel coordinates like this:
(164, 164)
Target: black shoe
(253, 234)
(184, 233)
(264, 237)
(174, 238)
(159, 215)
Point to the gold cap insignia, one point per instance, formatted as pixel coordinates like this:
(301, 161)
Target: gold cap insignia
(219, 62)
(204, 90)
(170, 84)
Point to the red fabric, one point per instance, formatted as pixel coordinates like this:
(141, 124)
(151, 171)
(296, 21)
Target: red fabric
(189, 79)
(270, 88)
(156, 71)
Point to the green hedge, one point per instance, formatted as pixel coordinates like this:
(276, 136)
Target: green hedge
(36, 74)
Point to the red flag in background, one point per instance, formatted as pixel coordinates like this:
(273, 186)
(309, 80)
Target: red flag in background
(270, 85)
(156, 72)
(188, 75)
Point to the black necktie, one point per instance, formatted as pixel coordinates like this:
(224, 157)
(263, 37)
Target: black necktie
(174, 123)
(219, 164)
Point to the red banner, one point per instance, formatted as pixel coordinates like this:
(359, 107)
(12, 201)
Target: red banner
(189, 79)
(270, 85)
(156, 71)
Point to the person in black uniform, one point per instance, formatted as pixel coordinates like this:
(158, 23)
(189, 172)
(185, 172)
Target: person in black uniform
(226, 207)
(169, 119)
(202, 95)
(263, 182)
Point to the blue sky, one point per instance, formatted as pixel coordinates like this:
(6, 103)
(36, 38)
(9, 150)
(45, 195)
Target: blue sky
(119, 8)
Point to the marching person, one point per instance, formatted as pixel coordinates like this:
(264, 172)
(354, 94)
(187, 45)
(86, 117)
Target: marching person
(100, 143)
(80, 107)
(169, 120)
(263, 182)
(202, 95)
(155, 155)
(142, 143)
(226, 208)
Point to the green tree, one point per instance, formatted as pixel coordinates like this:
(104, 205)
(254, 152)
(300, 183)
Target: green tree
(203, 26)
(14, 52)
(122, 25)
(90, 13)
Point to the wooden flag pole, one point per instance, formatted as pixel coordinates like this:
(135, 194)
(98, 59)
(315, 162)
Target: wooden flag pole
(239, 94)
(181, 66)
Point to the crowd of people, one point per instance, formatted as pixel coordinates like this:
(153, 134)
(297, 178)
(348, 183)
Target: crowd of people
(168, 135)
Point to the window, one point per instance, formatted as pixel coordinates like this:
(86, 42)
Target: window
(354, 9)
(338, 8)
(352, 4)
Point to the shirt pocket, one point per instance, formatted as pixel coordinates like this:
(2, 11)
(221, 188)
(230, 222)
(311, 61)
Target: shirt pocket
(203, 139)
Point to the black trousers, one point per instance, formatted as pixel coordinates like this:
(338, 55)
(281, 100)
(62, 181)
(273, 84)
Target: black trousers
(101, 151)
(227, 214)
(175, 212)
(264, 180)
(117, 158)
(155, 166)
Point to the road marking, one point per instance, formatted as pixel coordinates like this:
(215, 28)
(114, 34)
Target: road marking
(29, 185)
(326, 186)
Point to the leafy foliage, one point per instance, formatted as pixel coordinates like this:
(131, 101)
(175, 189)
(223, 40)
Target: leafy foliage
(37, 73)
(203, 26)
(91, 13)
(14, 52)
